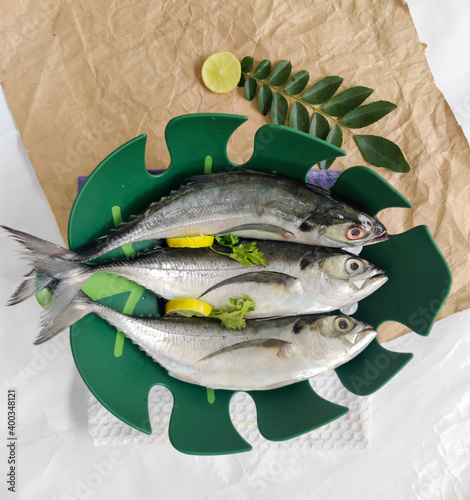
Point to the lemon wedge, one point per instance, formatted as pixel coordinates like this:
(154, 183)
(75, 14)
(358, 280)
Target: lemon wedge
(187, 307)
(221, 72)
(190, 242)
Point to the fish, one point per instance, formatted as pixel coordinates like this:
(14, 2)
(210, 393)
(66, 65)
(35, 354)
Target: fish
(267, 354)
(298, 279)
(248, 204)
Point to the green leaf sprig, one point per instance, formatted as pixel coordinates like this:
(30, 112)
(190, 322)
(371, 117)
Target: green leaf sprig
(343, 110)
(245, 253)
(234, 317)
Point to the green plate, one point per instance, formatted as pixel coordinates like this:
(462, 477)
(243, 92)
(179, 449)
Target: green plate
(120, 375)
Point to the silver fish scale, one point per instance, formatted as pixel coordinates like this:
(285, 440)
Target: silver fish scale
(217, 204)
(166, 338)
(294, 282)
(273, 352)
(187, 272)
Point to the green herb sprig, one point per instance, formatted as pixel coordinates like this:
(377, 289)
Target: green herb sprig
(343, 110)
(234, 318)
(245, 253)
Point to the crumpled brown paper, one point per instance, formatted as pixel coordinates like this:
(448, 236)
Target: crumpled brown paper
(84, 77)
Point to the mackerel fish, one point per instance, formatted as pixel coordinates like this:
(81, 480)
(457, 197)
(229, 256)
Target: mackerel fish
(247, 204)
(298, 279)
(267, 354)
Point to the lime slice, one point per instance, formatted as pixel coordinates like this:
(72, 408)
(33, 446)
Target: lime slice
(190, 242)
(187, 307)
(221, 72)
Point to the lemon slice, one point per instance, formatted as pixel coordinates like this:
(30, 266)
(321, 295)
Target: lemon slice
(187, 307)
(221, 72)
(190, 242)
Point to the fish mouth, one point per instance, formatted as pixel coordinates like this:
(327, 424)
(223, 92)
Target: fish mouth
(379, 233)
(379, 276)
(377, 279)
(364, 337)
(360, 337)
(377, 239)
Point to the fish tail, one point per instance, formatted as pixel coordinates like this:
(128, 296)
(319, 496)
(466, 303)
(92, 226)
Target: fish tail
(64, 277)
(32, 245)
(53, 323)
(30, 286)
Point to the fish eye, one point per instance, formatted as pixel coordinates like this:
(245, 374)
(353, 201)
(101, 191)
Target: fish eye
(355, 233)
(354, 266)
(343, 324)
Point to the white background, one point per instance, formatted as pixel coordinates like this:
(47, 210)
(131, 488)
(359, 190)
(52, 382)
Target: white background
(420, 421)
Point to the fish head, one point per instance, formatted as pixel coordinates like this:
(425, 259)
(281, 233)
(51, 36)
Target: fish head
(347, 278)
(332, 339)
(340, 226)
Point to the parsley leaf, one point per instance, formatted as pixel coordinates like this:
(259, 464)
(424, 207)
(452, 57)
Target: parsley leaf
(245, 253)
(234, 317)
(227, 240)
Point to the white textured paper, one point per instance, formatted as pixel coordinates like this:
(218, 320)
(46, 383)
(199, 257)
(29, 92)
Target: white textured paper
(349, 431)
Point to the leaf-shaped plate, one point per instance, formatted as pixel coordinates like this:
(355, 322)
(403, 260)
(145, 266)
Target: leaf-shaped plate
(118, 373)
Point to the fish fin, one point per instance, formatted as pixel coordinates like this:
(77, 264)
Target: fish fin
(285, 349)
(350, 308)
(199, 179)
(34, 246)
(257, 230)
(353, 250)
(188, 184)
(318, 189)
(27, 288)
(50, 268)
(260, 277)
(63, 291)
(52, 324)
